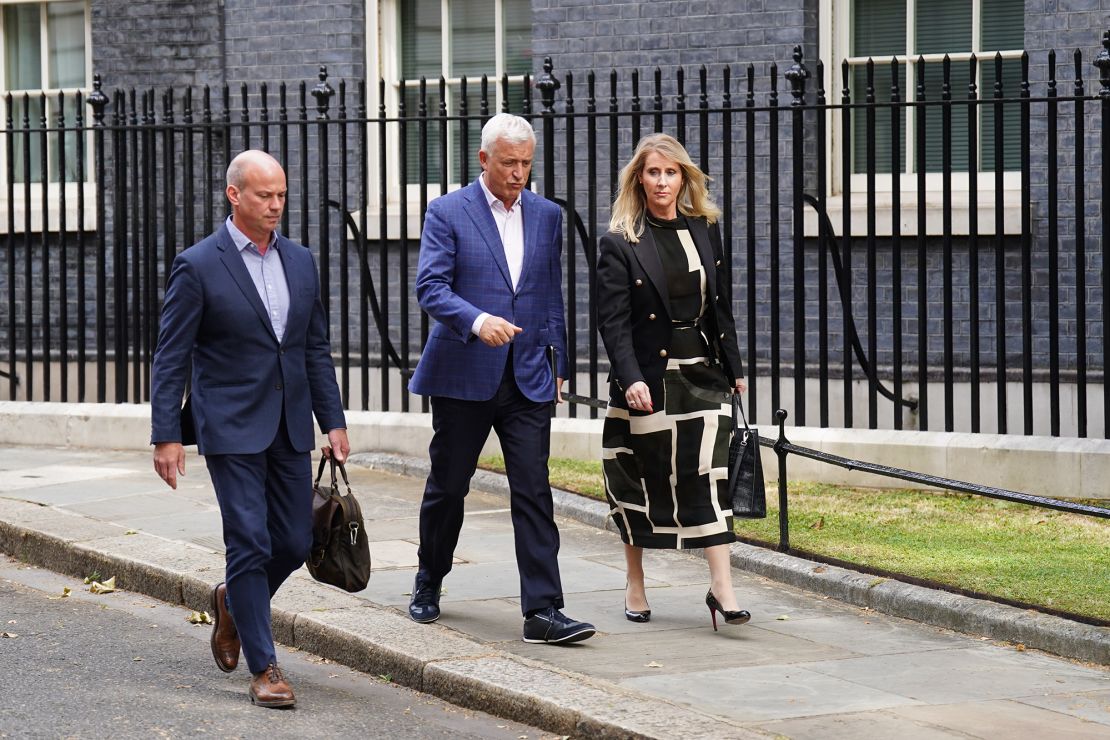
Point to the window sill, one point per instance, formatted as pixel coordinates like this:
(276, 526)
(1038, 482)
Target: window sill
(934, 213)
(18, 209)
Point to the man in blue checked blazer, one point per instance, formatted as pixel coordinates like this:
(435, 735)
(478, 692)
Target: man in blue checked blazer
(489, 274)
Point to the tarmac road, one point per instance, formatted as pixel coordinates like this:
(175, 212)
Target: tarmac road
(124, 665)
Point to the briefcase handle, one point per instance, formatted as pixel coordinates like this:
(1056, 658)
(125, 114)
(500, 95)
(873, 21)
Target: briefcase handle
(324, 459)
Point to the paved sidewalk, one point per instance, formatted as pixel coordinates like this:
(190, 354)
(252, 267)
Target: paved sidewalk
(806, 666)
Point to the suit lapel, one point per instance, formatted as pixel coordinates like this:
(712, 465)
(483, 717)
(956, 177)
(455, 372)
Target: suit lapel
(296, 280)
(530, 214)
(478, 210)
(699, 230)
(233, 261)
(648, 257)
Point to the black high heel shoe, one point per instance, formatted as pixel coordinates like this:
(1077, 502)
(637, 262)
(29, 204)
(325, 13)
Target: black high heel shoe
(631, 615)
(740, 616)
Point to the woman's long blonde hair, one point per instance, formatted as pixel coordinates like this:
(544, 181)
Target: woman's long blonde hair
(631, 204)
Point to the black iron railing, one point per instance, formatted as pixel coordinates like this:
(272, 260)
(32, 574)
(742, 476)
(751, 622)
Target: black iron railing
(930, 325)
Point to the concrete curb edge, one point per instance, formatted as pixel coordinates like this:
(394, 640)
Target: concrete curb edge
(585, 707)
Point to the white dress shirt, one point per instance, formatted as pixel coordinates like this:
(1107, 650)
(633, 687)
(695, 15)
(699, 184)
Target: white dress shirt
(510, 227)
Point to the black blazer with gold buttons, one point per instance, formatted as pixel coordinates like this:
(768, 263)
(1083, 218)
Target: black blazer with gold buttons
(632, 310)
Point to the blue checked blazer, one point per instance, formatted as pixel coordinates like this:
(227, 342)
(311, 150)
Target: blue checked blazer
(462, 272)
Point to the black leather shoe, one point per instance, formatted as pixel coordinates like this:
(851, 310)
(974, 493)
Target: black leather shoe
(740, 616)
(551, 625)
(424, 606)
(632, 615)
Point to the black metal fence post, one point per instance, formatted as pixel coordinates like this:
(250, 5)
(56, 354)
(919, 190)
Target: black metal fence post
(780, 451)
(98, 100)
(797, 76)
(1103, 64)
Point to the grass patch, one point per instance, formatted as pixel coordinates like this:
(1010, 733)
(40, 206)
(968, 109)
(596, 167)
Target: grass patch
(1012, 551)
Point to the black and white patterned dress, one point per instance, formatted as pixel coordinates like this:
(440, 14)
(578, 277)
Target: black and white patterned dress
(666, 473)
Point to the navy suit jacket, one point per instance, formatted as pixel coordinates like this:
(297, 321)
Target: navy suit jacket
(462, 272)
(243, 378)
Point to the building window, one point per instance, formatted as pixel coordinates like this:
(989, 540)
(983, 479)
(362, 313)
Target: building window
(456, 39)
(45, 50)
(912, 30)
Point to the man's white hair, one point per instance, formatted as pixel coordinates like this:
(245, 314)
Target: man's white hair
(508, 128)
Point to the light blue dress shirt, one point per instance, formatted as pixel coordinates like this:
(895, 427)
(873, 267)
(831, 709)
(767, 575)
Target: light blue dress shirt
(268, 275)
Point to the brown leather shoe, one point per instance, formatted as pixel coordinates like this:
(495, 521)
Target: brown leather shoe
(270, 689)
(225, 638)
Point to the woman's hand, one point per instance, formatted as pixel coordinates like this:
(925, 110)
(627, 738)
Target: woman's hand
(741, 386)
(638, 397)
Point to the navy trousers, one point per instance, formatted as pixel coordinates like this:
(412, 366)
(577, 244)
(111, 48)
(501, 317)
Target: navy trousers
(524, 429)
(266, 505)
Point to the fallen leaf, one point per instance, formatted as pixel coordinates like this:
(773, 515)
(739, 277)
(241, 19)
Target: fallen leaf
(782, 618)
(875, 582)
(198, 618)
(107, 587)
(136, 660)
(11, 621)
(653, 664)
(66, 590)
(8, 634)
(820, 569)
(1019, 647)
(819, 524)
(131, 531)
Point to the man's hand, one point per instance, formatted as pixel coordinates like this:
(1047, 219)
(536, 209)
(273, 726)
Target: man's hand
(340, 447)
(558, 390)
(496, 331)
(169, 461)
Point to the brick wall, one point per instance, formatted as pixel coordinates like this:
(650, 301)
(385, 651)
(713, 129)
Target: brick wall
(289, 41)
(157, 43)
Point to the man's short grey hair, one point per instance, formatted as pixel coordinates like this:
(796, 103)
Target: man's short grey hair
(508, 128)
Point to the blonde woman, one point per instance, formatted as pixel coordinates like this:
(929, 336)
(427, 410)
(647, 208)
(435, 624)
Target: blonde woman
(665, 317)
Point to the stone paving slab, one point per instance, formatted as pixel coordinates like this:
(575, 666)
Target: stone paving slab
(806, 666)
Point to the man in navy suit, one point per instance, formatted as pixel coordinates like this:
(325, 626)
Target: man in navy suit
(243, 306)
(489, 274)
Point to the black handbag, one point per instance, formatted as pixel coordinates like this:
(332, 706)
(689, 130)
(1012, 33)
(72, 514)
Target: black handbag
(745, 473)
(340, 553)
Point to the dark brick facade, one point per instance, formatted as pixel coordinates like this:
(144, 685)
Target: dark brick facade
(159, 43)
(175, 44)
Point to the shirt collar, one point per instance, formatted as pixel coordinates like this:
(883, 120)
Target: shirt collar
(242, 241)
(491, 198)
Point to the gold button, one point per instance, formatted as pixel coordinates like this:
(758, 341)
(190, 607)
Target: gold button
(662, 353)
(651, 317)
(639, 282)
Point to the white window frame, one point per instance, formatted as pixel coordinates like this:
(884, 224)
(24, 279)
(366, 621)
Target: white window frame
(835, 40)
(383, 61)
(53, 192)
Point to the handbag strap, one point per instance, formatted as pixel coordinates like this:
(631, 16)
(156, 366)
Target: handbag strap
(738, 407)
